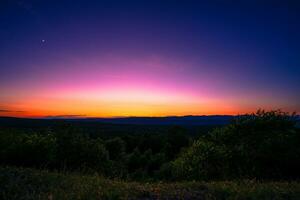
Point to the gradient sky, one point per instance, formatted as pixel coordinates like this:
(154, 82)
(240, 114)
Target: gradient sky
(148, 58)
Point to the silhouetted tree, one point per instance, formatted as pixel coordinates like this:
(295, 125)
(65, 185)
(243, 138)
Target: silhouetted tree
(260, 145)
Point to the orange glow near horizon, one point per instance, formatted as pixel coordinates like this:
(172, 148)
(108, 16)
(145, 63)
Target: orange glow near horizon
(139, 88)
(146, 58)
(121, 103)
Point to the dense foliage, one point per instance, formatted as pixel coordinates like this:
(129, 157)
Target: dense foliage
(137, 156)
(263, 145)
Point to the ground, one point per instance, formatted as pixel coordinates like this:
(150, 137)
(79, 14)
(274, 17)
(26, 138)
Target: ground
(19, 183)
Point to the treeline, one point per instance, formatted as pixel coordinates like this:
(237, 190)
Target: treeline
(130, 156)
(263, 145)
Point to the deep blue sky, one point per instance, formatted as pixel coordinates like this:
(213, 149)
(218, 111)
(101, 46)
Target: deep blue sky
(245, 52)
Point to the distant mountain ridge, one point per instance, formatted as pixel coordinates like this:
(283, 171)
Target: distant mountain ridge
(172, 120)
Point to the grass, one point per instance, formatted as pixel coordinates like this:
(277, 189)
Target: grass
(19, 183)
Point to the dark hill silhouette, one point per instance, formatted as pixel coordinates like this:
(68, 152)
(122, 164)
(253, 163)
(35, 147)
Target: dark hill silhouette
(118, 126)
(184, 120)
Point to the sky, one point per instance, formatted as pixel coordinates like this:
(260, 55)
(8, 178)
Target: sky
(148, 58)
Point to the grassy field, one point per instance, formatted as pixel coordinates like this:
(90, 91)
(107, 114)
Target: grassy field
(16, 183)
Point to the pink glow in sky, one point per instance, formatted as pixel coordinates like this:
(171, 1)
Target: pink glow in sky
(119, 86)
(147, 58)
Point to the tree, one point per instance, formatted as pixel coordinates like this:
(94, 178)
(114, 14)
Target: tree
(262, 145)
(116, 148)
(176, 140)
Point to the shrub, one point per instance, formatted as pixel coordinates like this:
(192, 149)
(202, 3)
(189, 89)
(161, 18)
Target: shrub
(203, 160)
(262, 145)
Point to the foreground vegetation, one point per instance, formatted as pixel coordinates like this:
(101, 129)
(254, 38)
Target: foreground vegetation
(262, 145)
(67, 163)
(34, 184)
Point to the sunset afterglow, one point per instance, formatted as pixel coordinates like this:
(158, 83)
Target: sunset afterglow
(144, 59)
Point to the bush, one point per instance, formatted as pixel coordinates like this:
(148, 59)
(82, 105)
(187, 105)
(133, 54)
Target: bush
(203, 160)
(262, 145)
